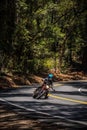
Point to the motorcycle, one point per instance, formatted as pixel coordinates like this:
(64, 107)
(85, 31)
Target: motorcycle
(42, 91)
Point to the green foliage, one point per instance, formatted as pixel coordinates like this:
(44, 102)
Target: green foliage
(38, 34)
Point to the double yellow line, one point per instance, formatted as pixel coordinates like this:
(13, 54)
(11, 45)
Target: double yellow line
(68, 99)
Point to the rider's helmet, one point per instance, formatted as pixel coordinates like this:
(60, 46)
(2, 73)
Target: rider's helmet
(50, 76)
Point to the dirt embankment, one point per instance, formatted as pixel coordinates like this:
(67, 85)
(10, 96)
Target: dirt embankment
(10, 80)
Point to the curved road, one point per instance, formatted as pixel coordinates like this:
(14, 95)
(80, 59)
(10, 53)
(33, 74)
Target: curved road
(67, 106)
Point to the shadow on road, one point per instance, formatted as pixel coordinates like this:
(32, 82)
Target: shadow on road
(64, 116)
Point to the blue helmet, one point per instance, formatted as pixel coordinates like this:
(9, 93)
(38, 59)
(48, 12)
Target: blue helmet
(50, 75)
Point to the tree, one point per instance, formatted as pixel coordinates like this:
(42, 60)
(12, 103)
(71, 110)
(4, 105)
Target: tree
(30, 29)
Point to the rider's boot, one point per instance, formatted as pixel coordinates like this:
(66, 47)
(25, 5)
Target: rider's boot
(46, 95)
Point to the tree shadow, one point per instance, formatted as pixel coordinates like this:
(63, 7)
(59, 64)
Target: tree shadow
(52, 113)
(22, 119)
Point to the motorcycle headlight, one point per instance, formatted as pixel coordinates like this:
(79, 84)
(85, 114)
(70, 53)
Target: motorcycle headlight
(47, 86)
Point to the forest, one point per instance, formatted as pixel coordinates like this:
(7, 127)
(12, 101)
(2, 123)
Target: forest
(41, 35)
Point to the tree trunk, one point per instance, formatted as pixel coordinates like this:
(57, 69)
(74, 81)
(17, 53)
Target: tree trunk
(84, 59)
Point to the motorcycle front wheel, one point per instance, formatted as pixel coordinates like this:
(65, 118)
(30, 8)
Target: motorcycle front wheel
(36, 92)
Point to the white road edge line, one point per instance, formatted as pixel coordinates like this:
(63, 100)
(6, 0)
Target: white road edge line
(56, 117)
(22, 107)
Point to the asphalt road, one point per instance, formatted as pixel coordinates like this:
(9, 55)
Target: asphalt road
(67, 106)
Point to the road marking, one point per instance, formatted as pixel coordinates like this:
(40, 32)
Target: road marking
(25, 108)
(44, 113)
(57, 84)
(68, 99)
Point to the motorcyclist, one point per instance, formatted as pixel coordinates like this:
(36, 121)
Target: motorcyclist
(43, 90)
(49, 81)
